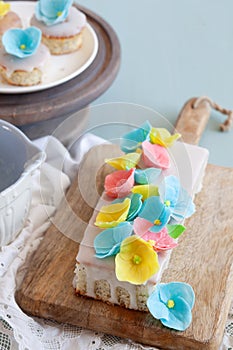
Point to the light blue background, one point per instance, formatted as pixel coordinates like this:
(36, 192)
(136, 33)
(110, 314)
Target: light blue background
(173, 50)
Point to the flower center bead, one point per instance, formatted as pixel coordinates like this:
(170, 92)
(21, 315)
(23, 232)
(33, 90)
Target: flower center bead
(22, 47)
(157, 222)
(167, 203)
(170, 304)
(59, 13)
(137, 259)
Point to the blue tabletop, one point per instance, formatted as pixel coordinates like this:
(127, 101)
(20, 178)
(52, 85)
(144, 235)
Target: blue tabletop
(172, 51)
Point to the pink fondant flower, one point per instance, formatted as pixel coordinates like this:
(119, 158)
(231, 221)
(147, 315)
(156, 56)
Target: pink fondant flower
(160, 240)
(155, 156)
(119, 183)
(141, 226)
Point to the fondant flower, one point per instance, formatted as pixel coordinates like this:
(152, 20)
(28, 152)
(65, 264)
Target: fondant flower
(111, 215)
(119, 183)
(133, 140)
(163, 137)
(125, 162)
(135, 205)
(160, 241)
(21, 42)
(176, 198)
(146, 176)
(137, 261)
(52, 12)
(155, 156)
(107, 243)
(146, 190)
(4, 8)
(156, 212)
(172, 304)
(142, 226)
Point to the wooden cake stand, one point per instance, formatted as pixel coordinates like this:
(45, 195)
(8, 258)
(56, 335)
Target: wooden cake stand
(203, 259)
(38, 113)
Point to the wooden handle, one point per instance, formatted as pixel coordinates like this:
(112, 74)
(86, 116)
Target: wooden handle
(191, 121)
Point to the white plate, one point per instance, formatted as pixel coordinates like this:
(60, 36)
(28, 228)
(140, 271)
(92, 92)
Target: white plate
(60, 68)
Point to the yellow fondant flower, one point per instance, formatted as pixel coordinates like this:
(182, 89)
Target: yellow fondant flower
(163, 137)
(137, 261)
(126, 162)
(111, 215)
(146, 190)
(4, 8)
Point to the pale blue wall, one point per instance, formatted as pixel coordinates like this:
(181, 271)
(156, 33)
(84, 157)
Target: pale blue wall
(173, 50)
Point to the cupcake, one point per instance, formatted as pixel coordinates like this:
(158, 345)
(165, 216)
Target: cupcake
(61, 25)
(8, 19)
(23, 57)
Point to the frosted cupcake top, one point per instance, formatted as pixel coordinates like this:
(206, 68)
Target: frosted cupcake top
(58, 18)
(22, 50)
(52, 12)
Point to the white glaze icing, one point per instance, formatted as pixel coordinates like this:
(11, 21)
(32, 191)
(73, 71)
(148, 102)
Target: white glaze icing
(73, 25)
(12, 63)
(188, 163)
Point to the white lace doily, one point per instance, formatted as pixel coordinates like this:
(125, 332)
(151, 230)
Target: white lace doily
(19, 331)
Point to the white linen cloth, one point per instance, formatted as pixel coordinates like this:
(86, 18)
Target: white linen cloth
(19, 331)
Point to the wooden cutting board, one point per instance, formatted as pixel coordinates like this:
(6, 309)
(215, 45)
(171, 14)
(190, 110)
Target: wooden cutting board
(203, 259)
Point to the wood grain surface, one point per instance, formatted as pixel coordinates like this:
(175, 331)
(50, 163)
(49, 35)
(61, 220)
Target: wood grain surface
(192, 121)
(203, 259)
(67, 98)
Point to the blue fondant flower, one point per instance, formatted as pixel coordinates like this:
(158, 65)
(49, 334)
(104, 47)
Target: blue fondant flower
(135, 205)
(172, 303)
(156, 212)
(177, 198)
(108, 242)
(52, 11)
(132, 141)
(146, 176)
(21, 42)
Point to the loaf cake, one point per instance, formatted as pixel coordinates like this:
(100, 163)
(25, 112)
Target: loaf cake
(124, 252)
(61, 24)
